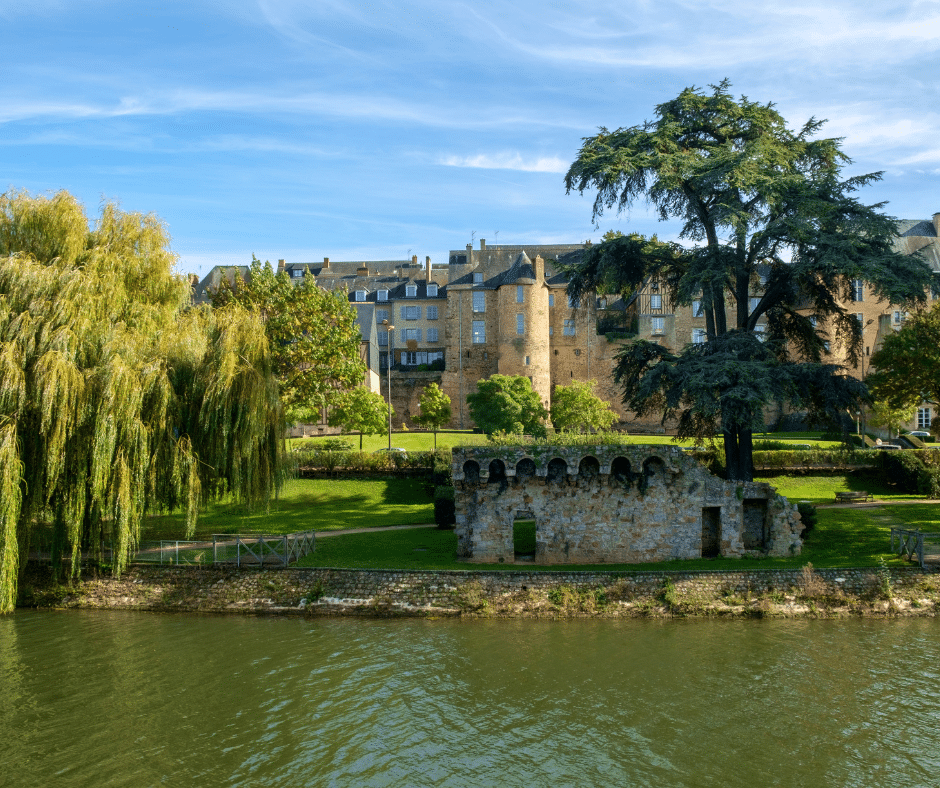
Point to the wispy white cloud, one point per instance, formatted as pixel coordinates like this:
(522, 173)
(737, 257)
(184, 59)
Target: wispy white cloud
(507, 161)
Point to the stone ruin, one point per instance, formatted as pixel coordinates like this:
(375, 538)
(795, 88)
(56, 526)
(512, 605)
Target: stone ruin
(612, 504)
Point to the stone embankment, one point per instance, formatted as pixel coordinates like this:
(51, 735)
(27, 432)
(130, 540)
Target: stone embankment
(519, 594)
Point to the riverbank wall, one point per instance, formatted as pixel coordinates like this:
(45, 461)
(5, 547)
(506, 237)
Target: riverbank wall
(512, 594)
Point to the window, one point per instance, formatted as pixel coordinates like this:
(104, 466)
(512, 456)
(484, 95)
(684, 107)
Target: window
(527, 361)
(383, 338)
(659, 325)
(826, 345)
(380, 315)
(437, 355)
(520, 324)
(360, 295)
(858, 290)
(432, 291)
(479, 332)
(478, 278)
(656, 302)
(861, 317)
(383, 295)
(568, 329)
(411, 291)
(934, 292)
(411, 312)
(551, 331)
(479, 301)
(923, 418)
(432, 335)
(297, 273)
(697, 308)
(571, 303)
(812, 320)
(432, 312)
(759, 331)
(412, 358)
(897, 317)
(699, 336)
(551, 299)
(762, 278)
(413, 334)
(519, 295)
(752, 304)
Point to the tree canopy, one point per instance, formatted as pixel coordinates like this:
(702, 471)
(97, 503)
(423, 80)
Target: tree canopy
(435, 410)
(907, 366)
(116, 397)
(505, 403)
(764, 209)
(360, 410)
(576, 408)
(312, 334)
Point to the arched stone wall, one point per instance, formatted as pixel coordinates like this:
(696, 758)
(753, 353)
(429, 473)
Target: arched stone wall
(613, 504)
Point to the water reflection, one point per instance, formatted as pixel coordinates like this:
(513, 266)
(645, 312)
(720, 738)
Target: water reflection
(116, 699)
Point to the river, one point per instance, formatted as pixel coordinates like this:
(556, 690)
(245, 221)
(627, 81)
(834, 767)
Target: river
(93, 698)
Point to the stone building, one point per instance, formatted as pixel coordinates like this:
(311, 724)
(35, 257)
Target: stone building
(612, 504)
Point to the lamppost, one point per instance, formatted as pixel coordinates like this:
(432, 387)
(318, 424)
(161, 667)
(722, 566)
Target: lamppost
(391, 356)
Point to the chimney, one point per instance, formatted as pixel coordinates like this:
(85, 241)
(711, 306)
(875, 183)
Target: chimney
(326, 262)
(483, 244)
(414, 259)
(362, 270)
(936, 223)
(280, 266)
(539, 269)
(469, 253)
(427, 266)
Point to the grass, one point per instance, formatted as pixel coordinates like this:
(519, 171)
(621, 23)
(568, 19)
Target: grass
(823, 488)
(311, 504)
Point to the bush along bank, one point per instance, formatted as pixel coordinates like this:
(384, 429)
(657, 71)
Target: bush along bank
(807, 593)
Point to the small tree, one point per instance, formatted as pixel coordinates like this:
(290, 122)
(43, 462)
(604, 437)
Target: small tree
(884, 414)
(360, 410)
(503, 403)
(908, 363)
(576, 408)
(435, 410)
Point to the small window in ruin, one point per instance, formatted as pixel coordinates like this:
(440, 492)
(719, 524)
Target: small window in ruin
(497, 471)
(471, 472)
(711, 531)
(754, 533)
(589, 467)
(525, 468)
(557, 471)
(620, 470)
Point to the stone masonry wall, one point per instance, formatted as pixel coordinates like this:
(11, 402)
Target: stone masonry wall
(612, 504)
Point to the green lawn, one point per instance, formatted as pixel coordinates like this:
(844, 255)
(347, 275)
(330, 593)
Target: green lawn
(823, 489)
(312, 504)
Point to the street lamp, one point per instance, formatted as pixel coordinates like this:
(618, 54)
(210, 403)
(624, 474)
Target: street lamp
(391, 355)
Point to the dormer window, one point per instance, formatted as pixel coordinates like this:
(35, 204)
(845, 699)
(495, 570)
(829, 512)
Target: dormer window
(383, 295)
(360, 295)
(297, 273)
(477, 278)
(411, 291)
(432, 291)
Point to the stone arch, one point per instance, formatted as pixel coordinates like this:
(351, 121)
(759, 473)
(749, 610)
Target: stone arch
(589, 468)
(471, 472)
(525, 468)
(557, 471)
(620, 470)
(497, 471)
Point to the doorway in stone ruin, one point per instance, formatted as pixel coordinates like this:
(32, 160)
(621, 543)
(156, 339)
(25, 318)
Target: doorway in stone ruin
(711, 531)
(755, 524)
(523, 537)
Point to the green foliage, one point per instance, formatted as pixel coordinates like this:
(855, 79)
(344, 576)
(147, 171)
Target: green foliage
(360, 410)
(808, 516)
(561, 439)
(116, 398)
(928, 482)
(336, 444)
(313, 334)
(818, 458)
(435, 410)
(907, 366)
(903, 469)
(576, 408)
(445, 513)
(503, 403)
(757, 200)
(884, 414)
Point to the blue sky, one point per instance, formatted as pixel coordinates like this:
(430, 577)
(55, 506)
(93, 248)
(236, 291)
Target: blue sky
(377, 130)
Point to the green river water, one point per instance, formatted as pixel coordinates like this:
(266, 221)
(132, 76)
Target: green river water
(133, 699)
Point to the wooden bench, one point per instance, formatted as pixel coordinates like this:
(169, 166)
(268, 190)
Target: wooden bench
(855, 495)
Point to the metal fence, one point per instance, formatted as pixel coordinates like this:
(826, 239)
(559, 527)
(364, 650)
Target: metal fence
(240, 549)
(910, 543)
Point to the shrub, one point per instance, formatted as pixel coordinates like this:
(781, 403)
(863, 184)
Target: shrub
(445, 513)
(928, 482)
(808, 515)
(335, 444)
(902, 469)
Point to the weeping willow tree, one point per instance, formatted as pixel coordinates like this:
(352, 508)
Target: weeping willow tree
(116, 397)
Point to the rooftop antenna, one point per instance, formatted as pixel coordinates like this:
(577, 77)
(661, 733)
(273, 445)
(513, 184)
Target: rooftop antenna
(473, 238)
